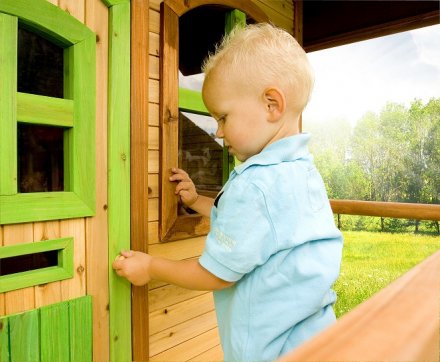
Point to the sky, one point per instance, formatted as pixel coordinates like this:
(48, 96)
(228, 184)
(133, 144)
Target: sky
(353, 79)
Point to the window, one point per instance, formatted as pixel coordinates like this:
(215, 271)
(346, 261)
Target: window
(47, 114)
(182, 110)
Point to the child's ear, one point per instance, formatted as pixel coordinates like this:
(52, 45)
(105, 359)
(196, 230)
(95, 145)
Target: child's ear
(275, 103)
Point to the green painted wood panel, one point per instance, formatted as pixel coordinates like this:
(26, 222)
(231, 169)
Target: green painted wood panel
(54, 327)
(119, 177)
(57, 332)
(33, 207)
(8, 85)
(191, 101)
(80, 329)
(50, 19)
(44, 110)
(4, 339)
(24, 337)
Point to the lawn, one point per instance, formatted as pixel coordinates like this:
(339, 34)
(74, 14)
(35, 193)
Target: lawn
(371, 260)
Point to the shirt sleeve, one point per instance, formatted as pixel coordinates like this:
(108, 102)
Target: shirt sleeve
(242, 235)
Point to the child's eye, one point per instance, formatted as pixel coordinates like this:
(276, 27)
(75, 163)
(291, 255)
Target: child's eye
(221, 119)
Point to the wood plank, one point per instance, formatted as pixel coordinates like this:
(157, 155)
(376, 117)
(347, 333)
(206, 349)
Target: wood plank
(214, 354)
(153, 70)
(74, 8)
(163, 297)
(18, 300)
(51, 292)
(153, 48)
(153, 234)
(140, 65)
(24, 336)
(75, 287)
(279, 16)
(153, 161)
(35, 109)
(97, 227)
(153, 91)
(54, 327)
(171, 337)
(4, 339)
(80, 329)
(2, 295)
(119, 178)
(191, 348)
(401, 322)
(154, 26)
(180, 312)
(182, 249)
(153, 209)
(387, 209)
(8, 86)
(153, 138)
(153, 114)
(153, 185)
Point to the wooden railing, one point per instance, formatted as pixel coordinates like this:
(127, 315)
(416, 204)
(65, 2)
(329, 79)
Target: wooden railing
(399, 323)
(387, 209)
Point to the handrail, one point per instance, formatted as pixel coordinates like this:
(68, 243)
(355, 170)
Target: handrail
(387, 209)
(399, 323)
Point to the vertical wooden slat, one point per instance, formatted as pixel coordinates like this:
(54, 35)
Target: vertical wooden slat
(80, 329)
(54, 327)
(169, 107)
(24, 337)
(139, 167)
(4, 339)
(8, 107)
(97, 227)
(119, 177)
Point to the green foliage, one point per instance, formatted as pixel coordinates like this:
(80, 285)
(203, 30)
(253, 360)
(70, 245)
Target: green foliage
(373, 260)
(390, 156)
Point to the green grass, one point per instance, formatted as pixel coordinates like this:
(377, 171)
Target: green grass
(371, 260)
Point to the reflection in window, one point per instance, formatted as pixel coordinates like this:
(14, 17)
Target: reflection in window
(40, 158)
(40, 65)
(201, 152)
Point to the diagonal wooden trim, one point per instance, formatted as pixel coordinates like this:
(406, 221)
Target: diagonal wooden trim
(139, 167)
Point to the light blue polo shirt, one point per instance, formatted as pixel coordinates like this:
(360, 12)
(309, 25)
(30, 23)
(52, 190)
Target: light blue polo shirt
(273, 233)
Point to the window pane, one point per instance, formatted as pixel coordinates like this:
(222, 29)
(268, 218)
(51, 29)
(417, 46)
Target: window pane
(40, 65)
(201, 152)
(40, 158)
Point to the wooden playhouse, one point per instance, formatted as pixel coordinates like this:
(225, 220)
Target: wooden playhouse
(98, 99)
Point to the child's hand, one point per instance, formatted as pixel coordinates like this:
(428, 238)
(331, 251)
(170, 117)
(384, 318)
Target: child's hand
(134, 266)
(185, 187)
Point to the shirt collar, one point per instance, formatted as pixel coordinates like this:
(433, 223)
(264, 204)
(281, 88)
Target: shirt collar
(286, 149)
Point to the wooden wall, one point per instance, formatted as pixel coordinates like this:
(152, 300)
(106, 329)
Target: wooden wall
(90, 234)
(182, 322)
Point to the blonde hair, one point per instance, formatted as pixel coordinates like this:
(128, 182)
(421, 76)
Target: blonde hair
(264, 55)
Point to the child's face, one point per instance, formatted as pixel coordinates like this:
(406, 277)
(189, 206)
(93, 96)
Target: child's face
(241, 115)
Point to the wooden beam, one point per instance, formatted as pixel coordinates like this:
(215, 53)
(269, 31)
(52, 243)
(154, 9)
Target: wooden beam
(400, 323)
(386, 209)
(139, 169)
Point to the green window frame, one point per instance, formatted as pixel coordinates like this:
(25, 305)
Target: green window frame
(75, 112)
(63, 269)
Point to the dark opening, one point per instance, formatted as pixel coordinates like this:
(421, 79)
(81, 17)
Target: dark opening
(40, 65)
(40, 158)
(22, 263)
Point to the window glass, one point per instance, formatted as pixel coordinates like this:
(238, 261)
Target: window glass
(40, 158)
(40, 65)
(201, 152)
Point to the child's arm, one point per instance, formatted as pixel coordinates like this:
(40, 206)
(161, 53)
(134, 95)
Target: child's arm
(139, 268)
(187, 191)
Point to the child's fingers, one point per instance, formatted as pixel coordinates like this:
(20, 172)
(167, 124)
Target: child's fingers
(179, 175)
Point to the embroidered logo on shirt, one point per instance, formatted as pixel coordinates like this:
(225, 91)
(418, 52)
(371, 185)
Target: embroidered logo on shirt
(223, 239)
